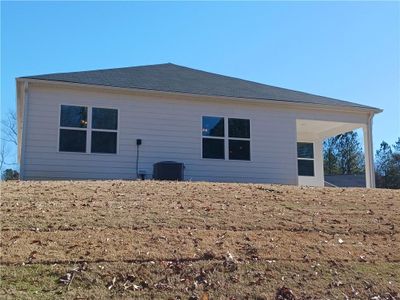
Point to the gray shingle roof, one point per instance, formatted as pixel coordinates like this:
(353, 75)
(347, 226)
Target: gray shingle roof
(173, 78)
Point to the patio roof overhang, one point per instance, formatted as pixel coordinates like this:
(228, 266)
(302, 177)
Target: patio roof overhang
(319, 130)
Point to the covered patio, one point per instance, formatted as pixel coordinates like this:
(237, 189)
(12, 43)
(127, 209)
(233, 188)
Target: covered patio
(311, 134)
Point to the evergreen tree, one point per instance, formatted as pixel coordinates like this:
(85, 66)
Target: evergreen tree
(349, 153)
(396, 146)
(388, 165)
(10, 174)
(330, 157)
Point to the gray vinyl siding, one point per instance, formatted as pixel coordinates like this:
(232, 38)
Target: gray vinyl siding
(170, 130)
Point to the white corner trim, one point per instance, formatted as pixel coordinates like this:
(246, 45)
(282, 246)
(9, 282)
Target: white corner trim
(24, 127)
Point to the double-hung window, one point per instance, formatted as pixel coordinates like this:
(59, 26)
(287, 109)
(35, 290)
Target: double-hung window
(213, 137)
(225, 138)
(104, 130)
(88, 130)
(305, 159)
(73, 128)
(239, 139)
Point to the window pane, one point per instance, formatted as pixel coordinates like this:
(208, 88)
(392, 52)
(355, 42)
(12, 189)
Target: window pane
(104, 118)
(72, 140)
(239, 128)
(305, 167)
(213, 148)
(73, 116)
(104, 142)
(305, 150)
(239, 150)
(213, 126)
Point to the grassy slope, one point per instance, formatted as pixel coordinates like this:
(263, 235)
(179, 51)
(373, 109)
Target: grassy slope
(164, 240)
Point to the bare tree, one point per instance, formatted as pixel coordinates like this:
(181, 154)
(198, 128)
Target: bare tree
(9, 138)
(3, 154)
(9, 132)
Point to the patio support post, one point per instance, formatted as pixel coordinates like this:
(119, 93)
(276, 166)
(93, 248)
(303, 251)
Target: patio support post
(369, 154)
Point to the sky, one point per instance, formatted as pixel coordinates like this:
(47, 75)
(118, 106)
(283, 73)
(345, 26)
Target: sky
(344, 50)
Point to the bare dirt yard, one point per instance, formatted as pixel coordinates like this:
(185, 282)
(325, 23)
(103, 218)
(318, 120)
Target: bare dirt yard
(182, 240)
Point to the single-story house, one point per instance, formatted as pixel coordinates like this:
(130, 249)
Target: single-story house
(117, 123)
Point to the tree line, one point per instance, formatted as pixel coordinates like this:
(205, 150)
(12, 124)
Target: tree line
(387, 162)
(343, 155)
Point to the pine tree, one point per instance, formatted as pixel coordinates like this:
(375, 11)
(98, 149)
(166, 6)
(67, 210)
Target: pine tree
(330, 157)
(388, 165)
(349, 152)
(10, 174)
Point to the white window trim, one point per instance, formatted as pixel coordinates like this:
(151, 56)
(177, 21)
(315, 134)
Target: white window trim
(88, 129)
(226, 138)
(307, 158)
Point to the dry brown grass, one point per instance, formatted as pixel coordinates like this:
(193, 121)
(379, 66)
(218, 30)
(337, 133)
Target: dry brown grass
(165, 240)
